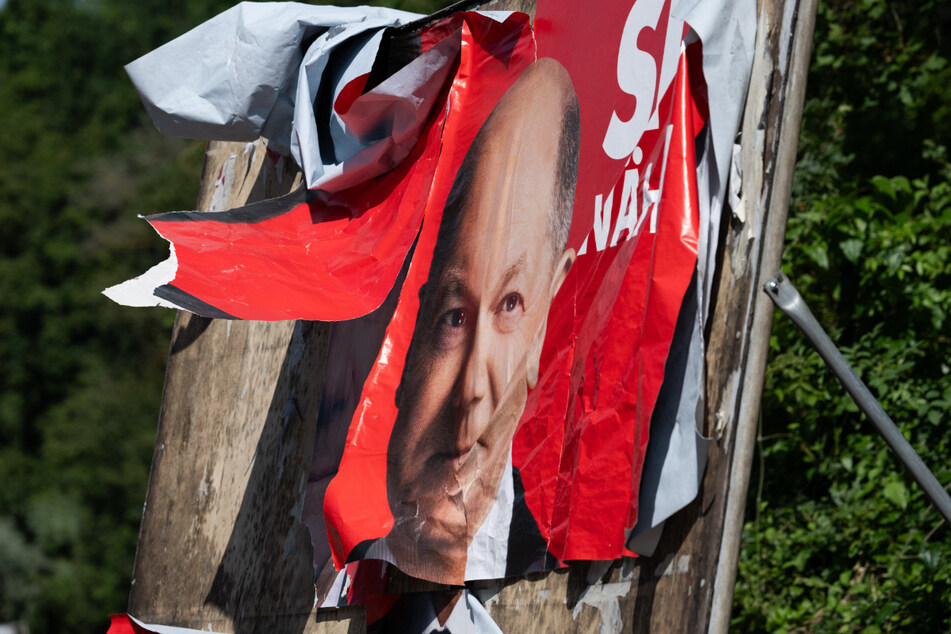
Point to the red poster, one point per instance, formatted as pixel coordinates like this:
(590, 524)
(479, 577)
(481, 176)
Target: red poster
(503, 425)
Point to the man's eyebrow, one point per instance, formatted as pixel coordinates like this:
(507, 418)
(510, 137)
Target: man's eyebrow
(511, 272)
(451, 286)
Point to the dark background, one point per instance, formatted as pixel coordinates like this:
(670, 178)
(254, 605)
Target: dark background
(838, 538)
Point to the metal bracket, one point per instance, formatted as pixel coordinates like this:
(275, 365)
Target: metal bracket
(788, 300)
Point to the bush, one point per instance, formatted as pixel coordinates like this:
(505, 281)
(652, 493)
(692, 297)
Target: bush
(839, 537)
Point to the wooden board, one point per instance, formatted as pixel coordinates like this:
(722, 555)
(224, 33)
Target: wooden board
(221, 545)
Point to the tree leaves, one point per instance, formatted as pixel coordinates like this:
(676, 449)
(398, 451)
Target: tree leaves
(81, 378)
(839, 537)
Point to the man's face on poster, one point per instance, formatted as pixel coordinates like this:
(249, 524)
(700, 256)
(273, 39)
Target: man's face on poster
(499, 260)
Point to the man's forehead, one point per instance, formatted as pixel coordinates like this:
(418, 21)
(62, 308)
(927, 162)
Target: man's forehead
(513, 171)
(488, 260)
(456, 277)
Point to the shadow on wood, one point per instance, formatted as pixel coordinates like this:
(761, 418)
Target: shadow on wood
(266, 568)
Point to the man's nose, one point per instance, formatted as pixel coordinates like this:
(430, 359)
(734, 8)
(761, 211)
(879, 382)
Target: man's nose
(475, 378)
(475, 387)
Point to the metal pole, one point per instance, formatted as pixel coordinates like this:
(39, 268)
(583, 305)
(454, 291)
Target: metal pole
(788, 300)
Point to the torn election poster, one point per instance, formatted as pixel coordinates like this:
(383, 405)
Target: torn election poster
(540, 212)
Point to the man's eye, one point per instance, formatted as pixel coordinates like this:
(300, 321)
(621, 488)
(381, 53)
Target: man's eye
(452, 328)
(509, 312)
(511, 302)
(455, 318)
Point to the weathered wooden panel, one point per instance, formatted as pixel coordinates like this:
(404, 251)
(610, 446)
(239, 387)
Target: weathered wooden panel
(221, 545)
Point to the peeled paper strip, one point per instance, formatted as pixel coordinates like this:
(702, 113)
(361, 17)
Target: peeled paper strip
(246, 72)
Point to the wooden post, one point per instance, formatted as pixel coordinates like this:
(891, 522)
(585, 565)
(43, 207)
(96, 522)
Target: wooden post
(768, 163)
(221, 545)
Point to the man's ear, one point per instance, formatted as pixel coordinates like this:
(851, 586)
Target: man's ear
(564, 265)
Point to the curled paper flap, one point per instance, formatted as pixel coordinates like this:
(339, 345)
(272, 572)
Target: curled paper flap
(128, 624)
(333, 253)
(674, 465)
(376, 131)
(245, 73)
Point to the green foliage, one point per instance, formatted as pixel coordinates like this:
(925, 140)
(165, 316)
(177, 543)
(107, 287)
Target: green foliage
(838, 537)
(81, 378)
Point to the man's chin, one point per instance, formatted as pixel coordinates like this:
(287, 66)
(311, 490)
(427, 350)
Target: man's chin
(431, 535)
(432, 546)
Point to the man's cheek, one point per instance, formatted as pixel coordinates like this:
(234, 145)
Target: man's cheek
(534, 317)
(502, 425)
(512, 364)
(431, 399)
(443, 374)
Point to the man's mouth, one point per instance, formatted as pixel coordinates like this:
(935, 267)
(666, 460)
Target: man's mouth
(453, 468)
(459, 455)
(453, 461)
